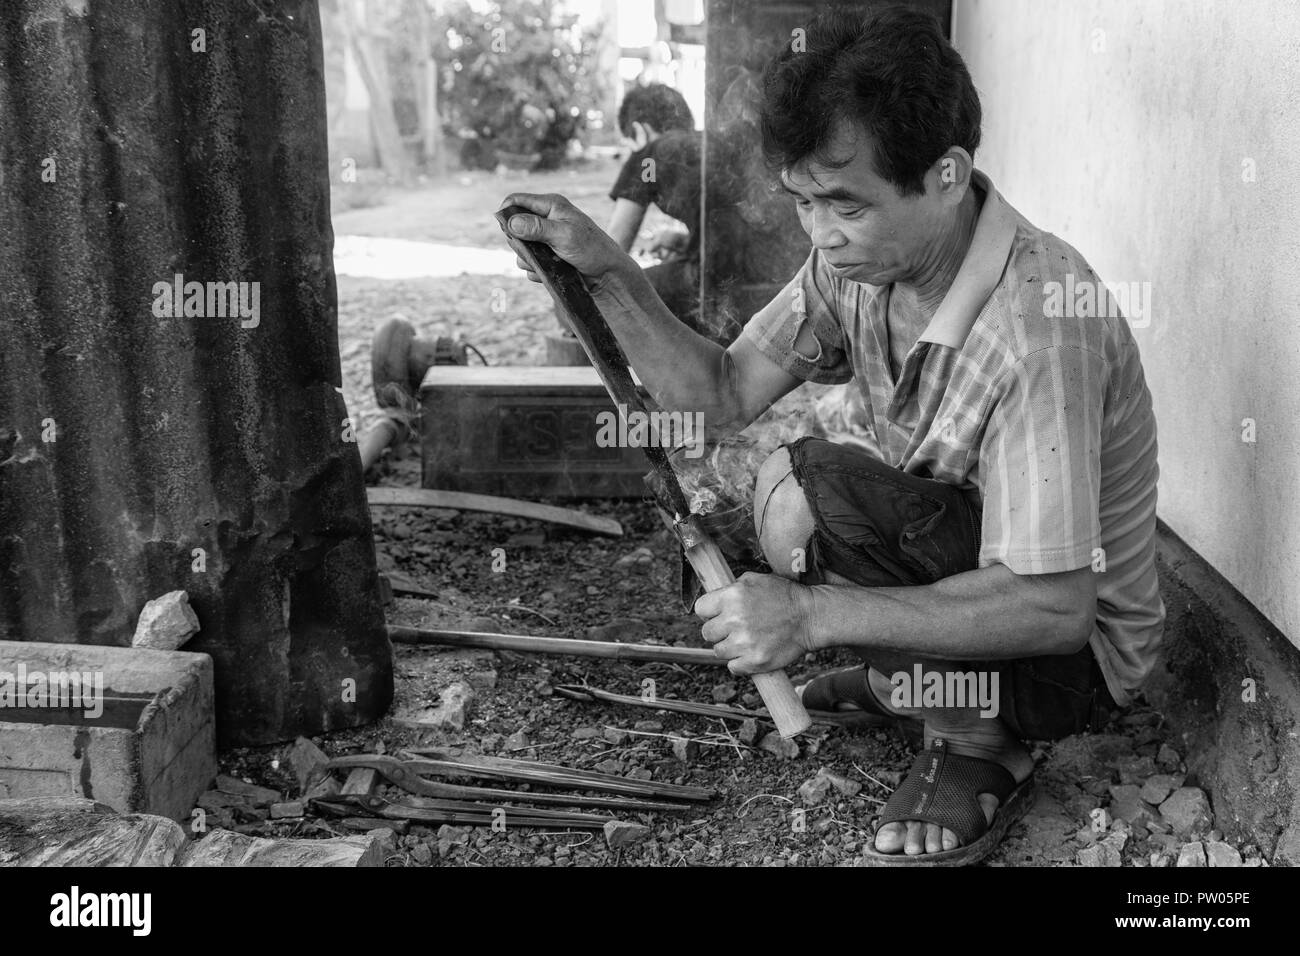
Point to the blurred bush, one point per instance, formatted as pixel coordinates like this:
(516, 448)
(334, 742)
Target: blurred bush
(516, 77)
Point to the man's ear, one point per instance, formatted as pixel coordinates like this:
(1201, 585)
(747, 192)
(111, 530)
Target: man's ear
(951, 174)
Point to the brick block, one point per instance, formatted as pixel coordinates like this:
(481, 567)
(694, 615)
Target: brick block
(522, 432)
(150, 749)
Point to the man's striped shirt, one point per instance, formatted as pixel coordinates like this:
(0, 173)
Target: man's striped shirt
(1027, 391)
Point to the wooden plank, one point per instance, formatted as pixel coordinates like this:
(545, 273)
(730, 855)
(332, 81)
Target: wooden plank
(465, 501)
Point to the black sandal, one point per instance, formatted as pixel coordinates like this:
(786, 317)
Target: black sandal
(943, 788)
(826, 692)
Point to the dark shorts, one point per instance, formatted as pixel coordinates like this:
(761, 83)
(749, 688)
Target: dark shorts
(881, 527)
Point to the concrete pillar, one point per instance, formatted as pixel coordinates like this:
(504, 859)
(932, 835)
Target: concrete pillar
(143, 451)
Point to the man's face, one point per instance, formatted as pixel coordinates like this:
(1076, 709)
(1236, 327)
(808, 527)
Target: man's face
(863, 227)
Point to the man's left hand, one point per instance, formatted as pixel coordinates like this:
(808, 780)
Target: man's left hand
(758, 624)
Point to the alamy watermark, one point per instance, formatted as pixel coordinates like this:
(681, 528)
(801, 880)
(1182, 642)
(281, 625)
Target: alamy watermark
(638, 429)
(208, 300)
(1092, 298)
(55, 690)
(950, 689)
(76, 909)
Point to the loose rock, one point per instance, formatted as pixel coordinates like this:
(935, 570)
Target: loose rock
(814, 790)
(685, 749)
(639, 558)
(1167, 758)
(453, 710)
(1135, 769)
(1159, 786)
(1099, 854)
(774, 743)
(1222, 854)
(1187, 810)
(308, 762)
(748, 732)
(252, 794)
(1191, 854)
(422, 854)
(725, 693)
(293, 810)
(1126, 804)
(166, 623)
(619, 834)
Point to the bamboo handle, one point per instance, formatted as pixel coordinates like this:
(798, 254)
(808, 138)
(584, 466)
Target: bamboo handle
(783, 704)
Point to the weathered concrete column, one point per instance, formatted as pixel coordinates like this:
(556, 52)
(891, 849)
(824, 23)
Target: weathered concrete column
(148, 445)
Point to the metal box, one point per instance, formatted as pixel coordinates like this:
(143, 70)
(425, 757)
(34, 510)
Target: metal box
(522, 432)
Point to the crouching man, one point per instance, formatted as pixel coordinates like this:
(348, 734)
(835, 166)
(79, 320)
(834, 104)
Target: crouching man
(1001, 529)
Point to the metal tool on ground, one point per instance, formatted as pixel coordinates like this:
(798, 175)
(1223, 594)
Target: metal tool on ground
(579, 311)
(551, 775)
(584, 693)
(405, 774)
(423, 810)
(562, 646)
(462, 501)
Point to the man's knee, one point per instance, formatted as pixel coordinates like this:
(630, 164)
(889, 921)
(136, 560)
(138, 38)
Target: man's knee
(782, 519)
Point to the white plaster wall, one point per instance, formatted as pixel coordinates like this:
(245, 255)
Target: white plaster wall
(1127, 128)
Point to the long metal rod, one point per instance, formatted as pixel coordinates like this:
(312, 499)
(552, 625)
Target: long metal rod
(563, 646)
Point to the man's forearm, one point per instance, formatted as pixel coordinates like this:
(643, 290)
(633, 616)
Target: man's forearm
(987, 614)
(682, 369)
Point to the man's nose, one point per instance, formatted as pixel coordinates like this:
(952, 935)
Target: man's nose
(824, 232)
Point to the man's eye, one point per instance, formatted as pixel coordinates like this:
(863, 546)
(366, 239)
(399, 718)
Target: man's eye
(852, 213)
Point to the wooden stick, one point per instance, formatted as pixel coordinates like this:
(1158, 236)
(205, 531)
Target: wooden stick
(464, 501)
(572, 647)
(778, 693)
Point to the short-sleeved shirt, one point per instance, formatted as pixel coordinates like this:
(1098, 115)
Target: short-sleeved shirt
(1022, 392)
(666, 173)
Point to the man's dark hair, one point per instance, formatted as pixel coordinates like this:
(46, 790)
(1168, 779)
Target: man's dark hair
(657, 105)
(891, 72)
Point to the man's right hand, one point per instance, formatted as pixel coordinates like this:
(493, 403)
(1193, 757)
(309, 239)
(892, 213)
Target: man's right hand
(574, 237)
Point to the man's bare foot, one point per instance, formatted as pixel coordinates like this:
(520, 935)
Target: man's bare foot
(991, 741)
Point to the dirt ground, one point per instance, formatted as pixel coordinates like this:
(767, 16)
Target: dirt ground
(563, 583)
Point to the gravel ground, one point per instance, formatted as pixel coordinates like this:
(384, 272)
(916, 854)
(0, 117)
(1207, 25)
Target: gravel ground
(562, 583)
